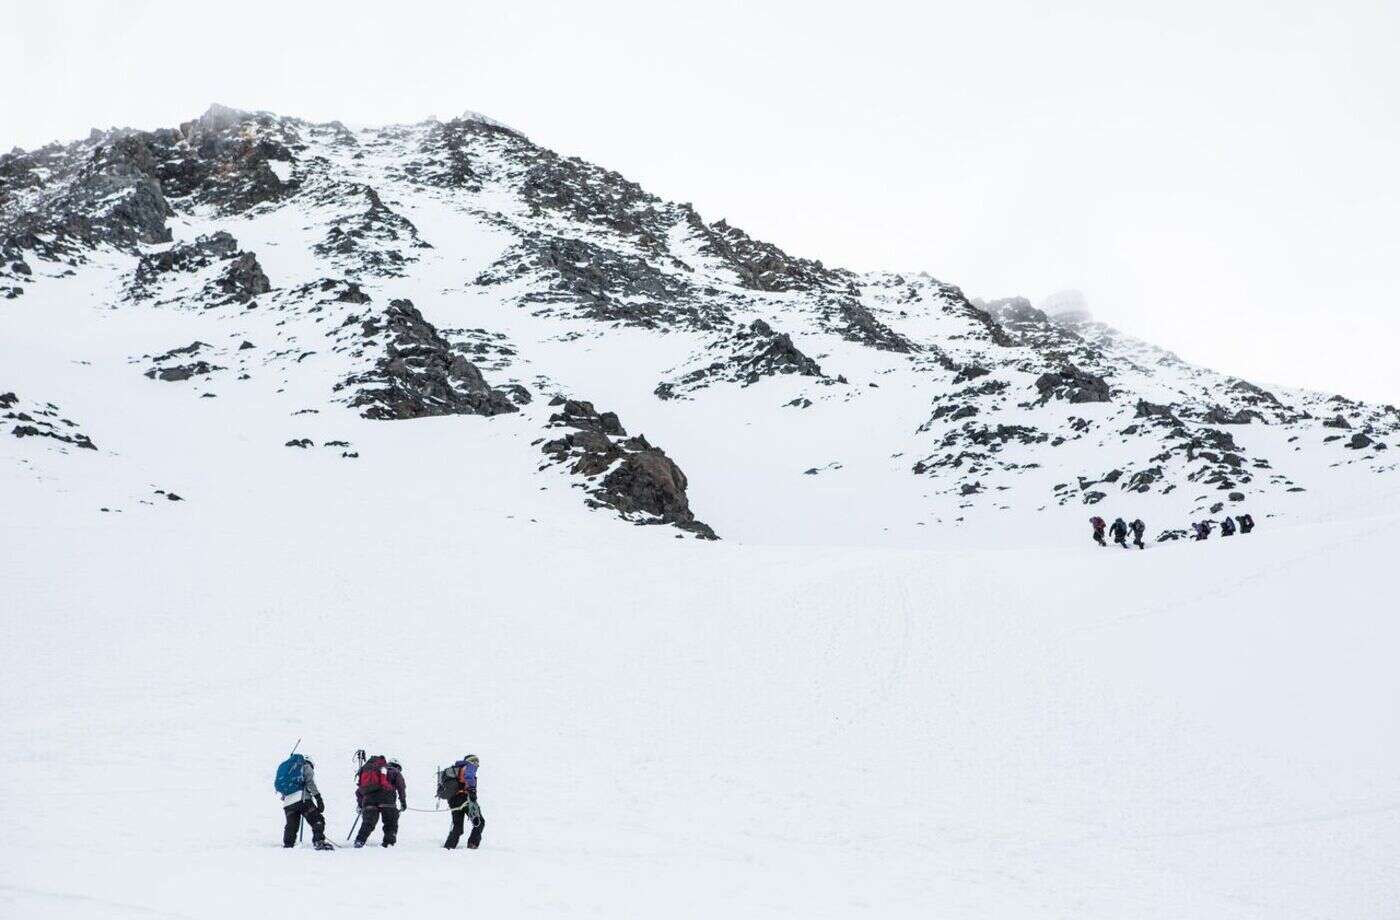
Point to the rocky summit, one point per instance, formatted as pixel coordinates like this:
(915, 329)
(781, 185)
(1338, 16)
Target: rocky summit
(265, 280)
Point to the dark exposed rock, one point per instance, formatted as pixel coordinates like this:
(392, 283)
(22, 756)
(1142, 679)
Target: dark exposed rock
(232, 167)
(373, 240)
(1146, 409)
(607, 284)
(241, 280)
(1072, 384)
(1218, 415)
(42, 421)
(244, 279)
(1336, 421)
(32, 431)
(302, 443)
(745, 357)
(850, 319)
(591, 195)
(1359, 441)
(970, 372)
(637, 480)
(420, 374)
(1253, 394)
(182, 371)
(761, 266)
(187, 257)
(1010, 311)
(1142, 480)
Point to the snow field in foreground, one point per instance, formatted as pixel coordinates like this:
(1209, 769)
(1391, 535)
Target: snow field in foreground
(699, 730)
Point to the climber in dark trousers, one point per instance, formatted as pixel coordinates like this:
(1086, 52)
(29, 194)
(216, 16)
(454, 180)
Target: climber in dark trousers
(1098, 524)
(376, 786)
(1137, 527)
(1246, 522)
(463, 804)
(1119, 530)
(1227, 527)
(305, 803)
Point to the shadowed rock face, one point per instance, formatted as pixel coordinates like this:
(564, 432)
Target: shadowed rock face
(626, 474)
(420, 374)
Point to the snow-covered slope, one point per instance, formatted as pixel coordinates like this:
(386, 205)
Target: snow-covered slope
(332, 434)
(310, 278)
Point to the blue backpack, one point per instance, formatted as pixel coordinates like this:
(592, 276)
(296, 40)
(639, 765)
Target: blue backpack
(289, 775)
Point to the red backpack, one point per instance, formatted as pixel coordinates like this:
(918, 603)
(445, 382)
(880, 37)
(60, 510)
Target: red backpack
(373, 776)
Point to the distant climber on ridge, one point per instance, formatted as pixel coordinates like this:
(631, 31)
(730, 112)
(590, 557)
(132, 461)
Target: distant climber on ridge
(1137, 527)
(1202, 530)
(1119, 530)
(1246, 522)
(1227, 526)
(1098, 525)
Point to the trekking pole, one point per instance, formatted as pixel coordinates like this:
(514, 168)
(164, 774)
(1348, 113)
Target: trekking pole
(301, 818)
(359, 765)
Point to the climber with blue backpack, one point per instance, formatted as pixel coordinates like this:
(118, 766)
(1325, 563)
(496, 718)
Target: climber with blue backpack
(457, 784)
(296, 784)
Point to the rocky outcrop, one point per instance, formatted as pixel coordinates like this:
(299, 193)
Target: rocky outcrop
(624, 473)
(587, 194)
(1073, 385)
(605, 284)
(419, 374)
(167, 366)
(41, 421)
(853, 321)
(1219, 415)
(375, 240)
(235, 150)
(1164, 414)
(758, 265)
(239, 281)
(747, 356)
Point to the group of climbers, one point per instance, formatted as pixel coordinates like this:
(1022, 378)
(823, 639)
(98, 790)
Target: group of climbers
(380, 793)
(1242, 523)
(1119, 531)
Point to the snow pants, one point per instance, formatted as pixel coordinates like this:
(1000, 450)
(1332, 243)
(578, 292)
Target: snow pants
(463, 805)
(369, 817)
(304, 809)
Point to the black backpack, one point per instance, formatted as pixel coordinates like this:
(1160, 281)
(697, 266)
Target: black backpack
(448, 784)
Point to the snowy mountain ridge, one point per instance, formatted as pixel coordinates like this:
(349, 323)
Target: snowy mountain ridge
(456, 268)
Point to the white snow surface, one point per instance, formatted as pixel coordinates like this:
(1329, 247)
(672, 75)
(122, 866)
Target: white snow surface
(871, 698)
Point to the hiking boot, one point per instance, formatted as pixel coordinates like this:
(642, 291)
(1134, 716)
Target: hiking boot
(324, 845)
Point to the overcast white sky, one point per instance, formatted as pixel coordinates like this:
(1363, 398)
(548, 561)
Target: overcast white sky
(1218, 177)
